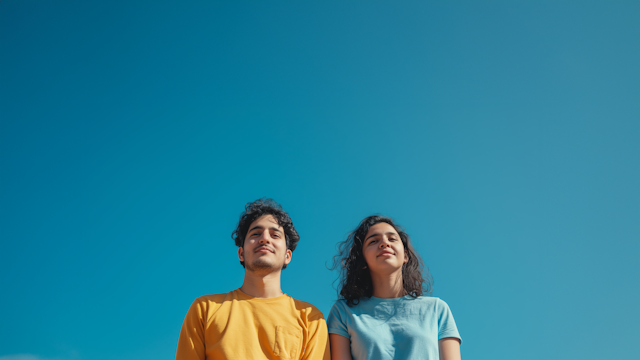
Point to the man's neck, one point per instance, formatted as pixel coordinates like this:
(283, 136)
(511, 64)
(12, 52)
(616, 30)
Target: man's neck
(262, 286)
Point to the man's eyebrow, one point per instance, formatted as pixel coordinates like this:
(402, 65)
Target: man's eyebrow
(262, 227)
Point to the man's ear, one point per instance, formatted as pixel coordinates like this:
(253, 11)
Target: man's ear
(241, 254)
(287, 257)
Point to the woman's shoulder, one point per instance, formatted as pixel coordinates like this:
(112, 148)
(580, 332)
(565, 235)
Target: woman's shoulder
(338, 314)
(424, 299)
(428, 301)
(433, 299)
(342, 306)
(339, 305)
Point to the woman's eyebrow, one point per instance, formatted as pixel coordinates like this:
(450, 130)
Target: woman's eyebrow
(388, 233)
(370, 236)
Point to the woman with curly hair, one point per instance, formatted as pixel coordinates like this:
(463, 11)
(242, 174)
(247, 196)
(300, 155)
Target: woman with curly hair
(382, 313)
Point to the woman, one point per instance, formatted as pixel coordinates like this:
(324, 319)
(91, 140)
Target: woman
(381, 313)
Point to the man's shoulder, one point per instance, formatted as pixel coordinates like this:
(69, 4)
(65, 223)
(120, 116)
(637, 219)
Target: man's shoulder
(214, 297)
(311, 312)
(206, 305)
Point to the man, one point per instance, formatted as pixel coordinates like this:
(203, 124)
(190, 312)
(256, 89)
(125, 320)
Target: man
(258, 320)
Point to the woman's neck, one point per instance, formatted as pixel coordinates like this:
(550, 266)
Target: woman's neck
(388, 286)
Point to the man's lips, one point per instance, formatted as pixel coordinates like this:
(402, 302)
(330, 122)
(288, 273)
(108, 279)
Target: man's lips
(264, 249)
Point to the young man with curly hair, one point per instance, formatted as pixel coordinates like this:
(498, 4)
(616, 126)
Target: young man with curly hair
(258, 320)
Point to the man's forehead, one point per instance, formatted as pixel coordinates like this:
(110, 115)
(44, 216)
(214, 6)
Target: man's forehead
(267, 220)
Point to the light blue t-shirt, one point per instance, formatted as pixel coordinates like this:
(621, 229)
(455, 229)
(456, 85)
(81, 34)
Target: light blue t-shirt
(401, 328)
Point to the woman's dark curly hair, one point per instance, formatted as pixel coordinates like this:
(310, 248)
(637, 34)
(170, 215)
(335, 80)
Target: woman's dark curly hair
(258, 208)
(355, 279)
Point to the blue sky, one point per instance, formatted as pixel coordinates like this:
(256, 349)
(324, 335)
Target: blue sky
(504, 136)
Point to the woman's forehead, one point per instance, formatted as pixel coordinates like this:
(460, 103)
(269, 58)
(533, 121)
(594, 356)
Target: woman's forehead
(381, 228)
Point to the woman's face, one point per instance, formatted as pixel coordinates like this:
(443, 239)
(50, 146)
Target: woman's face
(383, 249)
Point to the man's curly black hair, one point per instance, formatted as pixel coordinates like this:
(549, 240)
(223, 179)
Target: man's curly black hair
(355, 279)
(258, 208)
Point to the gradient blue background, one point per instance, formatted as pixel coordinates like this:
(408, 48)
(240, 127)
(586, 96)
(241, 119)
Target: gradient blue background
(503, 135)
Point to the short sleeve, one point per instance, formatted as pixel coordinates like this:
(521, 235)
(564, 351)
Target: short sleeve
(336, 321)
(317, 346)
(191, 344)
(446, 324)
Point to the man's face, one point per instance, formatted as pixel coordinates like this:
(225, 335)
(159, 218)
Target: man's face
(265, 247)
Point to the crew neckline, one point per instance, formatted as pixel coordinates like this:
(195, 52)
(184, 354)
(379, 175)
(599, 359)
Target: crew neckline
(389, 299)
(244, 296)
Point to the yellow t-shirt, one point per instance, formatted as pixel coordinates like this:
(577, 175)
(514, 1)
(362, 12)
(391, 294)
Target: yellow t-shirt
(237, 326)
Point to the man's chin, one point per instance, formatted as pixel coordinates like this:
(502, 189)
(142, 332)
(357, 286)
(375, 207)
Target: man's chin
(263, 266)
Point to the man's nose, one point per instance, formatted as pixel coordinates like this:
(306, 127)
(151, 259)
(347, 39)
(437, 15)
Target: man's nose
(265, 238)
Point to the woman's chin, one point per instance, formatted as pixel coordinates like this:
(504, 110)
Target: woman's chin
(385, 268)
